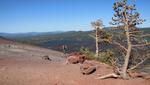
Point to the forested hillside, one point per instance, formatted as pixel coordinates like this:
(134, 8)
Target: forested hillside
(73, 39)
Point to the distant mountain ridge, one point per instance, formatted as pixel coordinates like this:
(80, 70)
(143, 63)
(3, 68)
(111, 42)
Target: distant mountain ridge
(54, 40)
(31, 34)
(28, 34)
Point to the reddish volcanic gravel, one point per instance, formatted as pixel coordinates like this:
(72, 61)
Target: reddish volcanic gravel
(23, 65)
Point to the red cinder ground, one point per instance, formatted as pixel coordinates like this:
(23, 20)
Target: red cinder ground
(23, 65)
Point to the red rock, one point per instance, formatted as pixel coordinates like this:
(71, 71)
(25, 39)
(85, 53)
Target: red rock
(72, 59)
(75, 58)
(87, 68)
(135, 74)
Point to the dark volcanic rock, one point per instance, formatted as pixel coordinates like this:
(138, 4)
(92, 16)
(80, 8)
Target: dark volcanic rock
(46, 57)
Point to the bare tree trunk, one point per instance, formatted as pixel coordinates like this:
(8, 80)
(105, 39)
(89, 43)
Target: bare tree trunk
(96, 42)
(126, 60)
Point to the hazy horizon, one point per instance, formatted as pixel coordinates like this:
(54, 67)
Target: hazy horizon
(44, 31)
(59, 31)
(23, 16)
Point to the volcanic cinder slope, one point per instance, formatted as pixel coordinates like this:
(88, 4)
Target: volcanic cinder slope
(22, 64)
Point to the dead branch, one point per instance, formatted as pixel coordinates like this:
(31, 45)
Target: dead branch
(103, 40)
(115, 28)
(112, 75)
(136, 32)
(116, 69)
(132, 35)
(148, 43)
(145, 35)
(120, 45)
(138, 64)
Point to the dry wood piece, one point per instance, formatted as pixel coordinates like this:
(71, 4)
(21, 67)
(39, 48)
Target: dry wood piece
(120, 45)
(141, 44)
(136, 32)
(139, 63)
(112, 75)
(145, 35)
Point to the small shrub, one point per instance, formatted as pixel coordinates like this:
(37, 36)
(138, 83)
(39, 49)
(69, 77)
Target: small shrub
(106, 57)
(86, 51)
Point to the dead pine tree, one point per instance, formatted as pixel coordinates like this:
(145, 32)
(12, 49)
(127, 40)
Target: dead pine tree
(97, 25)
(126, 18)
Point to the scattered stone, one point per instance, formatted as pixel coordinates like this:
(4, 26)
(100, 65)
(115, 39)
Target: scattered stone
(46, 57)
(134, 74)
(81, 58)
(87, 68)
(147, 77)
(75, 58)
(72, 60)
(1, 59)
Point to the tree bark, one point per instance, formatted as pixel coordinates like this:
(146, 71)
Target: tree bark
(96, 42)
(126, 60)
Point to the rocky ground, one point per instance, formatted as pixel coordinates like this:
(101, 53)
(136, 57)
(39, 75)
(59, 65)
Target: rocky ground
(22, 64)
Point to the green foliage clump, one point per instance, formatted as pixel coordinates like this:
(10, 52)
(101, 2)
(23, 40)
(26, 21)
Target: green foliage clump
(86, 51)
(106, 57)
(104, 36)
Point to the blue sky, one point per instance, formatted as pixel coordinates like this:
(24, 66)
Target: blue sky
(59, 15)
